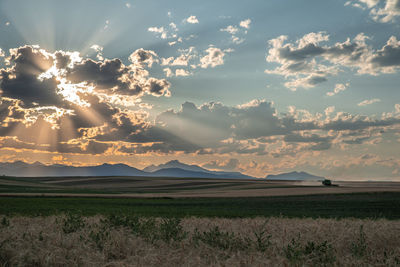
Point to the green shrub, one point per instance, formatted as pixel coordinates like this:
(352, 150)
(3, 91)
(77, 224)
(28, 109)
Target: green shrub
(72, 223)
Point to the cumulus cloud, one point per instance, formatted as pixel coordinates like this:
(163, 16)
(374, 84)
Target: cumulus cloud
(60, 102)
(99, 50)
(142, 57)
(237, 32)
(160, 30)
(186, 55)
(397, 108)
(383, 11)
(339, 87)
(230, 29)
(182, 72)
(225, 165)
(368, 102)
(307, 63)
(192, 20)
(213, 58)
(245, 23)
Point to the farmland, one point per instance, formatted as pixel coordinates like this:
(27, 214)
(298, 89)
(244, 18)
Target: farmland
(72, 240)
(114, 221)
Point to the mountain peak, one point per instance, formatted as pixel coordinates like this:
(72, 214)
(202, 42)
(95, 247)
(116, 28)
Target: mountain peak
(174, 161)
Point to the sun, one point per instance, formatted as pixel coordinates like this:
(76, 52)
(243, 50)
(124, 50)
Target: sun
(68, 90)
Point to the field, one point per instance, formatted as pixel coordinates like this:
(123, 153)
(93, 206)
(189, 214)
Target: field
(71, 240)
(120, 221)
(360, 205)
(150, 187)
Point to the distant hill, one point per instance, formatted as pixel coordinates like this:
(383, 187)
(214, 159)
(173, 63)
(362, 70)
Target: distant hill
(177, 172)
(20, 168)
(295, 176)
(170, 169)
(175, 164)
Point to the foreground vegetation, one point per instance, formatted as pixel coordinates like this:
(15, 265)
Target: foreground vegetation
(114, 240)
(361, 205)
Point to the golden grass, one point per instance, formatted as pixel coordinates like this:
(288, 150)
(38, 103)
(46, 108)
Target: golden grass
(41, 241)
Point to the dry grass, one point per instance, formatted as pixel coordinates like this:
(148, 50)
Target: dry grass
(47, 241)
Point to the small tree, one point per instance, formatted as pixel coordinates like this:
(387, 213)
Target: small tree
(327, 182)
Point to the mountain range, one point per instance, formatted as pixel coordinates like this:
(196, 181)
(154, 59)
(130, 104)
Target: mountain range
(173, 168)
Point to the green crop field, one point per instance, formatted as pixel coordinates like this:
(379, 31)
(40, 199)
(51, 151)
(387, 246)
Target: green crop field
(358, 205)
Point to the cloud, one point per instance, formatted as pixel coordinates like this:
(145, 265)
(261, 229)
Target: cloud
(59, 102)
(21, 80)
(384, 11)
(168, 72)
(182, 72)
(240, 30)
(245, 23)
(230, 29)
(397, 108)
(307, 63)
(214, 57)
(339, 87)
(143, 57)
(159, 30)
(192, 20)
(226, 165)
(368, 102)
(99, 50)
(75, 105)
(186, 55)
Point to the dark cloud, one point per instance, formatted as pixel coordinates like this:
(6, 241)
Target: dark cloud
(112, 76)
(389, 55)
(22, 82)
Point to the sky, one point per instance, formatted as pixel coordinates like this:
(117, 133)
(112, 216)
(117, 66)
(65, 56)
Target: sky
(260, 87)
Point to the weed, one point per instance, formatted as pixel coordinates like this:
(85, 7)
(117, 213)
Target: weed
(294, 251)
(170, 229)
(72, 223)
(320, 254)
(146, 228)
(262, 239)
(359, 247)
(41, 236)
(317, 254)
(5, 222)
(219, 239)
(119, 220)
(99, 237)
